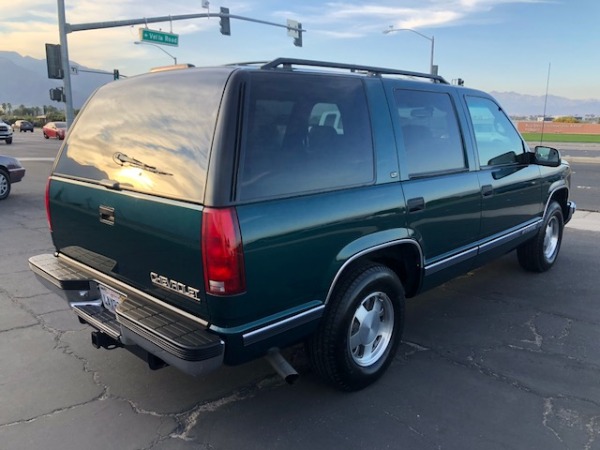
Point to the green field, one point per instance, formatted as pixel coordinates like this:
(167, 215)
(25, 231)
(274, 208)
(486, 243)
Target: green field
(548, 137)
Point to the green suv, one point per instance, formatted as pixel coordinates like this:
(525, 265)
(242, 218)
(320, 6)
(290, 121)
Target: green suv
(210, 216)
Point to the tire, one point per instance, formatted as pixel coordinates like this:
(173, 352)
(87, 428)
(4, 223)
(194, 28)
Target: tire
(359, 334)
(4, 184)
(540, 253)
(9, 141)
(45, 136)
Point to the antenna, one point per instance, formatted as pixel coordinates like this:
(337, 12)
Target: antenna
(545, 104)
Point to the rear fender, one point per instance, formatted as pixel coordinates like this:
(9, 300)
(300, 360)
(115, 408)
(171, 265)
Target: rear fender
(393, 248)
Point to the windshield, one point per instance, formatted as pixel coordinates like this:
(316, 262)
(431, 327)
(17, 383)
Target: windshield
(150, 133)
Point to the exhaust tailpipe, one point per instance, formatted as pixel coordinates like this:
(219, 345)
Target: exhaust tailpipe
(281, 366)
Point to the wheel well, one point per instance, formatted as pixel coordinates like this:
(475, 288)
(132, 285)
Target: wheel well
(561, 196)
(403, 258)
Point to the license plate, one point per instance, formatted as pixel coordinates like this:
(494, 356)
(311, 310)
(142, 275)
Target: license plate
(110, 298)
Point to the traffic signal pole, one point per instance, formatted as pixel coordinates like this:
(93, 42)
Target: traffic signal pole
(65, 28)
(64, 55)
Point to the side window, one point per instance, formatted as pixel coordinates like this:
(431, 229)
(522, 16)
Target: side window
(497, 140)
(432, 139)
(304, 133)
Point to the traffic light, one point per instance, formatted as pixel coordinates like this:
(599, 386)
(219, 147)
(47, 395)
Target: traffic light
(224, 22)
(298, 40)
(57, 94)
(116, 74)
(295, 31)
(54, 62)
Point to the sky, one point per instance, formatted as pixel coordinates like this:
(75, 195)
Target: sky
(524, 46)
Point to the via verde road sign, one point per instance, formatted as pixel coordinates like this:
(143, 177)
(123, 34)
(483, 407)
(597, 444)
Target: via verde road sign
(159, 37)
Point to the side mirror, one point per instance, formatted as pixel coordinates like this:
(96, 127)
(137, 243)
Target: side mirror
(546, 156)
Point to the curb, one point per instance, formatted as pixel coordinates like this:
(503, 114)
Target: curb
(585, 220)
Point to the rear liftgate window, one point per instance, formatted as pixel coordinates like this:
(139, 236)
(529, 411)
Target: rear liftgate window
(149, 134)
(304, 133)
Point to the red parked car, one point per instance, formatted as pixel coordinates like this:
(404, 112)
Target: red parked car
(55, 130)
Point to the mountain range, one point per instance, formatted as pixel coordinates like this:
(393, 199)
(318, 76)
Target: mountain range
(533, 105)
(24, 81)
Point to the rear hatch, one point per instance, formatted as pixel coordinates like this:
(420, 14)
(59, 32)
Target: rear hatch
(126, 193)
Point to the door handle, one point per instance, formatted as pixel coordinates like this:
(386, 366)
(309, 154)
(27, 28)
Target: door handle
(487, 190)
(416, 204)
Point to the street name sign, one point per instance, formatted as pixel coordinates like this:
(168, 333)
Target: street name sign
(159, 37)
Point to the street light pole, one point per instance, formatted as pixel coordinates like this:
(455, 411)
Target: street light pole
(158, 47)
(391, 29)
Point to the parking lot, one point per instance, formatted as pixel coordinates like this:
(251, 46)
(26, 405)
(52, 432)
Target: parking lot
(497, 359)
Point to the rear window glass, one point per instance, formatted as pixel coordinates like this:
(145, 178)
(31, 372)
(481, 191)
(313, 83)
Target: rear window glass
(150, 134)
(304, 133)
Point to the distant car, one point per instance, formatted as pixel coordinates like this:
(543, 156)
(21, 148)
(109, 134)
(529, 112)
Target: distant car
(11, 171)
(22, 125)
(55, 130)
(6, 133)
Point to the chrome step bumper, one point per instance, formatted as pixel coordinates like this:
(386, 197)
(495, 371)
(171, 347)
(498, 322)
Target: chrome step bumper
(170, 335)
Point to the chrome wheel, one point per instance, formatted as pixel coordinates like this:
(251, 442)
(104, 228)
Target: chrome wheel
(359, 333)
(3, 186)
(541, 252)
(371, 329)
(551, 238)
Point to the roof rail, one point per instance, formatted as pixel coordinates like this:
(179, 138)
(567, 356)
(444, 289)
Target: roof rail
(246, 63)
(287, 63)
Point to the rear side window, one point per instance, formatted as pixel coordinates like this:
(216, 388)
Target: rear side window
(430, 131)
(150, 134)
(304, 133)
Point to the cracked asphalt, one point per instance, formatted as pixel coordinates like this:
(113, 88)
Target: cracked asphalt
(497, 359)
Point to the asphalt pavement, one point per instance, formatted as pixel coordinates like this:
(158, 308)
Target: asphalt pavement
(496, 359)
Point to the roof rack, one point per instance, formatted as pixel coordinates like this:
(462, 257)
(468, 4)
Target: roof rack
(287, 63)
(247, 63)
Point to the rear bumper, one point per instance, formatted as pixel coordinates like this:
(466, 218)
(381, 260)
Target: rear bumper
(167, 333)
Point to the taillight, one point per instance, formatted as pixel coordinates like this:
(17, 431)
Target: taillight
(222, 252)
(47, 201)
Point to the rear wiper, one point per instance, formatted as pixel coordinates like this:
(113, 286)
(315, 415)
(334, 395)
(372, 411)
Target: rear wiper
(122, 159)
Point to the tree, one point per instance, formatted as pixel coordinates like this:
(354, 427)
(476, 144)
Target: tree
(567, 119)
